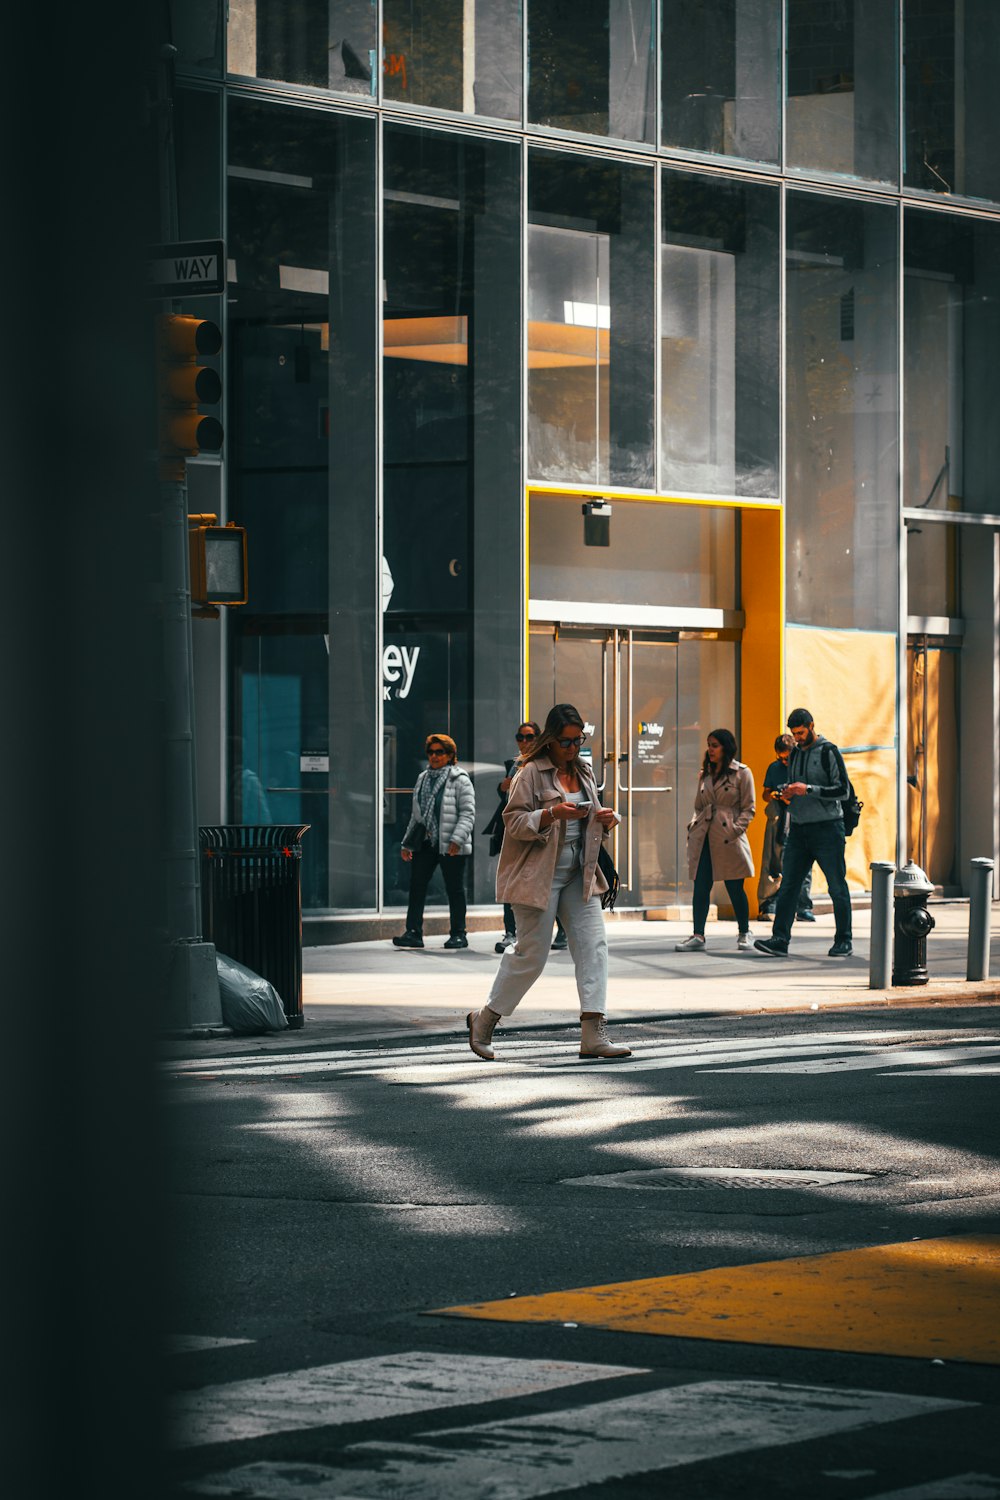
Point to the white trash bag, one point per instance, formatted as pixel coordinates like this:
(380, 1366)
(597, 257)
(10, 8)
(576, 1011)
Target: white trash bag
(250, 1003)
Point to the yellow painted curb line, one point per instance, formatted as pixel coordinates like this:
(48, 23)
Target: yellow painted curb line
(926, 1299)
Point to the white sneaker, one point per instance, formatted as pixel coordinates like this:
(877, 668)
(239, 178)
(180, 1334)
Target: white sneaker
(743, 942)
(693, 944)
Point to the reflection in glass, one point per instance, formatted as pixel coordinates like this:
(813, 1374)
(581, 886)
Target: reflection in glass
(706, 700)
(722, 77)
(659, 554)
(590, 67)
(327, 45)
(950, 82)
(841, 112)
(454, 54)
(451, 390)
(196, 32)
(300, 447)
(590, 321)
(842, 413)
(951, 309)
(932, 570)
(719, 336)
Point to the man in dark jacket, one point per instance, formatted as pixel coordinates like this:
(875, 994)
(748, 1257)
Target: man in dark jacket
(817, 784)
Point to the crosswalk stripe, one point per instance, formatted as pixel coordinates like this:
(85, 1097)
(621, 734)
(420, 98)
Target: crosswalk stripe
(985, 1070)
(554, 1452)
(957, 1487)
(930, 1060)
(840, 1052)
(366, 1390)
(454, 1056)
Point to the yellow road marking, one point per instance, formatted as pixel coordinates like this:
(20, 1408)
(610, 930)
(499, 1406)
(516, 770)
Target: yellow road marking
(925, 1298)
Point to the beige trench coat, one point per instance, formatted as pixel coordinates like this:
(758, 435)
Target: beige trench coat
(723, 811)
(529, 851)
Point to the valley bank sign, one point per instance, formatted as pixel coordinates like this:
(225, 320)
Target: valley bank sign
(399, 663)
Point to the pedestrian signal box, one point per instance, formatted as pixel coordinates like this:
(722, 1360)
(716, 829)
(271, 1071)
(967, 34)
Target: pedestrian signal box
(187, 390)
(218, 564)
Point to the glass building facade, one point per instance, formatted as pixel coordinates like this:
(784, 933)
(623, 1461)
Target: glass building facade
(730, 266)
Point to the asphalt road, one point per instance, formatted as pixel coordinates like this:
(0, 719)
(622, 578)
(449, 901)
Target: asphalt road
(371, 1242)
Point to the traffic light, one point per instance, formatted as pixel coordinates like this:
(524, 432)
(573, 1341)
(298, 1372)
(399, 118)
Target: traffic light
(218, 564)
(185, 387)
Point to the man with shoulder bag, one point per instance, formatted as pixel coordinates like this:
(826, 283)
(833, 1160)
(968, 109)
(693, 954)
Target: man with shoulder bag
(817, 793)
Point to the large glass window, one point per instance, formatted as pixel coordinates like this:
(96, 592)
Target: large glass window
(660, 555)
(719, 348)
(452, 467)
(454, 54)
(842, 413)
(325, 44)
(590, 321)
(301, 449)
(841, 112)
(951, 304)
(590, 67)
(952, 49)
(722, 77)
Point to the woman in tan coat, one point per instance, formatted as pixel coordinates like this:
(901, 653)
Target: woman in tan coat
(553, 828)
(717, 843)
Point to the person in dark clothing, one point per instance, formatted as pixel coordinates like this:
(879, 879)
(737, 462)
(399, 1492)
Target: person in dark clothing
(776, 813)
(817, 784)
(526, 735)
(439, 833)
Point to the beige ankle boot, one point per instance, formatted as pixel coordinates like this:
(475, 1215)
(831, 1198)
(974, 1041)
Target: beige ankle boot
(481, 1024)
(594, 1039)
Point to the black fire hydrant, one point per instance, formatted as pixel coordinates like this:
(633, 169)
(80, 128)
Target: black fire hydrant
(911, 924)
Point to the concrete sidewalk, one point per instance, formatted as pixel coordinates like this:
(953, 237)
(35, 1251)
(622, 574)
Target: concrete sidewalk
(430, 989)
(360, 993)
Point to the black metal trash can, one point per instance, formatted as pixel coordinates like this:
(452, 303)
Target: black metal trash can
(251, 901)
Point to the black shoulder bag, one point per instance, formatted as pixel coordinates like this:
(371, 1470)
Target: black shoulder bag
(606, 865)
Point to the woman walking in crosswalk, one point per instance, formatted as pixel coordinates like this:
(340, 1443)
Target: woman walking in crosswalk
(554, 828)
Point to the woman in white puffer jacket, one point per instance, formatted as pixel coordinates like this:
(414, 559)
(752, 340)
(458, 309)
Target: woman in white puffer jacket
(439, 833)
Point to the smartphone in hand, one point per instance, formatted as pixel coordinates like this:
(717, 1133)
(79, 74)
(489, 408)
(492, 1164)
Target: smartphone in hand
(584, 807)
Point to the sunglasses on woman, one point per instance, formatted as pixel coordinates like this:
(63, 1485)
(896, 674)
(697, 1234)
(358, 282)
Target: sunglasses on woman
(571, 744)
(436, 752)
(524, 736)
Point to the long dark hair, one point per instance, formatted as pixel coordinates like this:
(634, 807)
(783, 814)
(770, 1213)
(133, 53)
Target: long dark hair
(730, 751)
(562, 713)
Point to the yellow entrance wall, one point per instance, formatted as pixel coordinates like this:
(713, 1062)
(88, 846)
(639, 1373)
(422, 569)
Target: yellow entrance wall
(847, 680)
(762, 589)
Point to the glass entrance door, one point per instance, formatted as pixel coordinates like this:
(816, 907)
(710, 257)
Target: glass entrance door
(649, 699)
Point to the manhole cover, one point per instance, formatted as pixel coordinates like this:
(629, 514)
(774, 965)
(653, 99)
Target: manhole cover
(718, 1177)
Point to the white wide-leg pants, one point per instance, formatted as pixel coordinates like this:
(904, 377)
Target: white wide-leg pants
(588, 945)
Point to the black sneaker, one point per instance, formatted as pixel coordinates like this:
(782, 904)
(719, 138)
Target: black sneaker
(560, 943)
(773, 947)
(457, 940)
(408, 940)
(805, 916)
(507, 941)
(842, 948)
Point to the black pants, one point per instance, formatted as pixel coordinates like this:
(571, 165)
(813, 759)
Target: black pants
(703, 894)
(510, 922)
(823, 842)
(425, 861)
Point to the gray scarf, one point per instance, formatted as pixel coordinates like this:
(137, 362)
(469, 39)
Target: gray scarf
(429, 798)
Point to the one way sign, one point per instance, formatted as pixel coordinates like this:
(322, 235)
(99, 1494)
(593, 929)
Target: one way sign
(192, 269)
